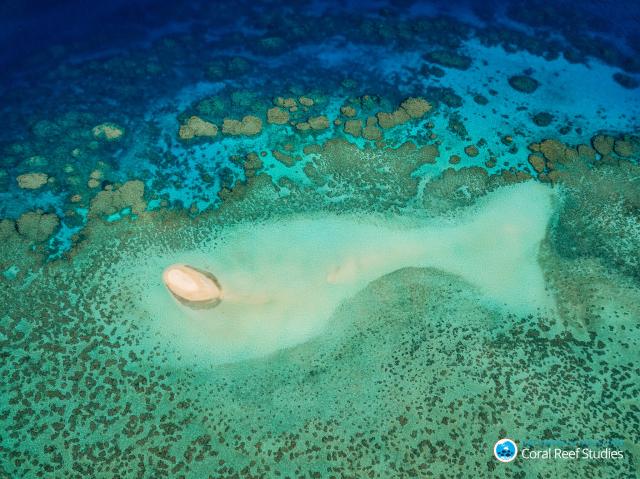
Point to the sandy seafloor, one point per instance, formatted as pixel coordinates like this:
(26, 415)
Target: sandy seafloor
(430, 213)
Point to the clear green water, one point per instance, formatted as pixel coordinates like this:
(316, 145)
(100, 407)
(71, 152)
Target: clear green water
(409, 366)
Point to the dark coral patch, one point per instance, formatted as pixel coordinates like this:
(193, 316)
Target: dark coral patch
(626, 81)
(444, 95)
(524, 83)
(449, 58)
(480, 99)
(543, 118)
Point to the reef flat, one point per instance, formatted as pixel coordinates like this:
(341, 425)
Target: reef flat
(425, 228)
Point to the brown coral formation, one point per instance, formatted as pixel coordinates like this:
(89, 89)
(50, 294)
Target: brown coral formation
(107, 132)
(287, 160)
(251, 163)
(375, 176)
(389, 120)
(306, 101)
(585, 151)
(454, 188)
(94, 179)
(32, 181)
(625, 148)
(348, 111)
(471, 150)
(537, 162)
(550, 157)
(425, 154)
(289, 103)
(410, 108)
(554, 160)
(371, 130)
(196, 127)
(462, 187)
(353, 127)
(129, 195)
(416, 107)
(37, 226)
(603, 144)
(277, 116)
(249, 126)
(602, 198)
(557, 152)
(319, 122)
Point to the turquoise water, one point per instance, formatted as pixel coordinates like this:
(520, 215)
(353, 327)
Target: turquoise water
(424, 218)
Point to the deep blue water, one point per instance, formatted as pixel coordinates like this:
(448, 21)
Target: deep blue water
(29, 27)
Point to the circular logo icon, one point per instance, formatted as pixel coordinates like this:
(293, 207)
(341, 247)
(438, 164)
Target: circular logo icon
(505, 450)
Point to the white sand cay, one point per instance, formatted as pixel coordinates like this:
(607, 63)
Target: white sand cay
(283, 280)
(192, 287)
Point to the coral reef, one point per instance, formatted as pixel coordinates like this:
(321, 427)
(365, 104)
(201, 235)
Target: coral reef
(415, 107)
(249, 126)
(277, 116)
(389, 120)
(626, 81)
(353, 127)
(306, 101)
(128, 195)
(409, 109)
(371, 130)
(360, 121)
(196, 127)
(471, 150)
(37, 225)
(542, 118)
(287, 160)
(603, 144)
(371, 177)
(107, 132)
(32, 181)
(319, 122)
(523, 83)
(448, 58)
(348, 111)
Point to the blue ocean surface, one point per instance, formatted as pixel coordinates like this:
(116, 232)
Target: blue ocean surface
(318, 239)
